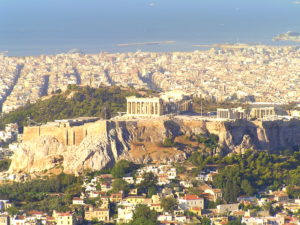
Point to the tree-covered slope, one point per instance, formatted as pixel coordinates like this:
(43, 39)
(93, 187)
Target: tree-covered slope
(77, 101)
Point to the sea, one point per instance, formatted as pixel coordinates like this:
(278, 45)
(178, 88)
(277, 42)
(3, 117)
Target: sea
(35, 27)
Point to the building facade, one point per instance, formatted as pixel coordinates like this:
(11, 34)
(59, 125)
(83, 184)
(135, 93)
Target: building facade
(100, 214)
(190, 201)
(64, 218)
(4, 220)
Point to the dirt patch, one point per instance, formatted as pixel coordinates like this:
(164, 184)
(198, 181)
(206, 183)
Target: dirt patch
(154, 151)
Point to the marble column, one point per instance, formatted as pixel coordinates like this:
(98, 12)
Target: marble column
(128, 109)
(151, 110)
(134, 107)
(148, 108)
(130, 104)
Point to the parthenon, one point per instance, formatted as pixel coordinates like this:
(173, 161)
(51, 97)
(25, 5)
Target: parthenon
(260, 112)
(144, 106)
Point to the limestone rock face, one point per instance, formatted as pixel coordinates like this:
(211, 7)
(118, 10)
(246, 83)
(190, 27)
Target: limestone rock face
(43, 154)
(101, 148)
(136, 140)
(95, 152)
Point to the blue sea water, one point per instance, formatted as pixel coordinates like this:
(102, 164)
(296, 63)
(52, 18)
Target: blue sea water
(33, 27)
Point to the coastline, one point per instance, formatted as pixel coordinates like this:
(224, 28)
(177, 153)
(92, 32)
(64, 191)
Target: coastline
(146, 43)
(288, 36)
(114, 49)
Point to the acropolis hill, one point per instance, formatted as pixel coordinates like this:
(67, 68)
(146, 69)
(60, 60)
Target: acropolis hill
(99, 144)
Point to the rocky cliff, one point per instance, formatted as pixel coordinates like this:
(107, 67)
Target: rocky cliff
(138, 141)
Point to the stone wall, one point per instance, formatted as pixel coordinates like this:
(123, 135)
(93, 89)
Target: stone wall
(65, 135)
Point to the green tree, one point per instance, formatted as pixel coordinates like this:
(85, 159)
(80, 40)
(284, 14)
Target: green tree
(169, 204)
(120, 185)
(247, 187)
(149, 180)
(267, 206)
(168, 142)
(12, 211)
(237, 221)
(205, 221)
(121, 168)
(151, 191)
(93, 201)
(143, 215)
(73, 190)
(231, 191)
(4, 164)
(198, 159)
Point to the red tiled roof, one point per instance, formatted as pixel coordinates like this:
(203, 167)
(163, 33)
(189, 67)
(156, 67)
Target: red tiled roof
(65, 213)
(106, 176)
(35, 213)
(191, 197)
(196, 208)
(20, 217)
(116, 195)
(50, 218)
(102, 197)
(240, 213)
(155, 204)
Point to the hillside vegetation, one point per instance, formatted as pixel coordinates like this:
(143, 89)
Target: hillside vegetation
(252, 172)
(77, 101)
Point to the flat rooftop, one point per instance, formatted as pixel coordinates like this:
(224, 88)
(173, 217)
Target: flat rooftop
(79, 119)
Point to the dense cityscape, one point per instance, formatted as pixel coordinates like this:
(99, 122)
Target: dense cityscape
(226, 72)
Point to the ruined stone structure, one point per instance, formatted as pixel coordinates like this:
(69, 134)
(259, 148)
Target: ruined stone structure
(233, 113)
(253, 112)
(67, 132)
(261, 112)
(156, 106)
(144, 106)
